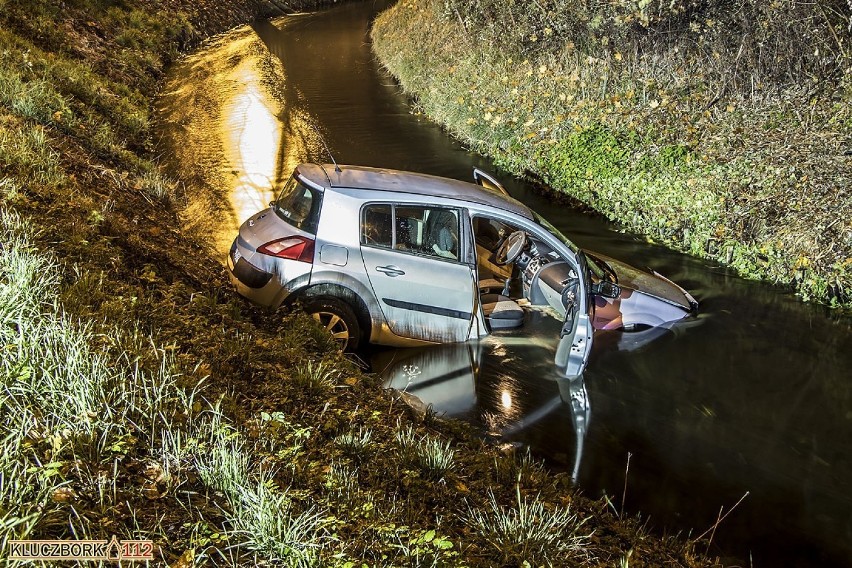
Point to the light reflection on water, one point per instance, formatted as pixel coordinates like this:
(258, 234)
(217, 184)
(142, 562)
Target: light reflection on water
(754, 395)
(231, 131)
(251, 139)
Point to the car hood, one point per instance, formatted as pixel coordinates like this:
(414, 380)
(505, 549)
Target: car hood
(648, 282)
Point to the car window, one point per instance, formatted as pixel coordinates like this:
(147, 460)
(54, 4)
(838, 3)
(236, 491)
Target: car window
(489, 233)
(299, 205)
(377, 226)
(416, 229)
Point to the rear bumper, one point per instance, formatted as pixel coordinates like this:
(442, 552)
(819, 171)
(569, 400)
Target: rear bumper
(250, 281)
(248, 274)
(267, 286)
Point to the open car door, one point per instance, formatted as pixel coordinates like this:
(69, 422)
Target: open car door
(575, 337)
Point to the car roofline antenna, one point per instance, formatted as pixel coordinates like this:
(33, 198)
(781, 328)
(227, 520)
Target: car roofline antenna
(322, 139)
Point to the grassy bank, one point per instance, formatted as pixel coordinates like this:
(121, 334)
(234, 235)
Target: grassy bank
(721, 130)
(140, 398)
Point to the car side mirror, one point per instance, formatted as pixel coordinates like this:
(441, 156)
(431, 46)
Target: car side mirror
(606, 289)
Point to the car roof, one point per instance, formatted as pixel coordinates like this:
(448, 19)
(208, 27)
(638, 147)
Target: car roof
(381, 179)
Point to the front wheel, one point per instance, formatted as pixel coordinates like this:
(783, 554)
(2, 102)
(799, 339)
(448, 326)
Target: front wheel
(339, 319)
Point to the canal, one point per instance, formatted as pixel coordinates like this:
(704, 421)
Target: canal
(752, 398)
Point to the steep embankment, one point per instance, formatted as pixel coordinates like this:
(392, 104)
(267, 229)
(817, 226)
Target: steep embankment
(721, 129)
(140, 398)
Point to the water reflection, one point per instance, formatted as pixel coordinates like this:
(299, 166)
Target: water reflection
(252, 139)
(448, 378)
(233, 133)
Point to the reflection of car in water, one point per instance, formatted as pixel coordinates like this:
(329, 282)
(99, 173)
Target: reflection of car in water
(406, 259)
(447, 378)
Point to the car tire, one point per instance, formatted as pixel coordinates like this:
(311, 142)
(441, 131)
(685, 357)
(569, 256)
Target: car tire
(339, 319)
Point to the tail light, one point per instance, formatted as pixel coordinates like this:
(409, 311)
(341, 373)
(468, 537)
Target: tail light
(291, 248)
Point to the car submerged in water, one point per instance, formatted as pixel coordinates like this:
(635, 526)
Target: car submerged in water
(402, 259)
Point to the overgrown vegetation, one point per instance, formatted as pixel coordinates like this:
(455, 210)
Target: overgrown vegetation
(142, 399)
(722, 128)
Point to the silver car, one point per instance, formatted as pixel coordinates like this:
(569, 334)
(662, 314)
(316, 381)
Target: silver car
(400, 258)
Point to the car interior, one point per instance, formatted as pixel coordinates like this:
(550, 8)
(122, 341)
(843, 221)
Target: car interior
(498, 285)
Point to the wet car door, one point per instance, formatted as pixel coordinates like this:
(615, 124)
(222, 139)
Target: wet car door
(412, 258)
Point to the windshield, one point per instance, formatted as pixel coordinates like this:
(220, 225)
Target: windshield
(299, 205)
(555, 232)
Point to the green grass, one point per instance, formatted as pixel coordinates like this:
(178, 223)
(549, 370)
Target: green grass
(655, 138)
(315, 377)
(356, 445)
(87, 406)
(529, 532)
(26, 152)
(263, 518)
(430, 455)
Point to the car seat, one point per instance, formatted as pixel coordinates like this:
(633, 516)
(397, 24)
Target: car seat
(442, 230)
(501, 312)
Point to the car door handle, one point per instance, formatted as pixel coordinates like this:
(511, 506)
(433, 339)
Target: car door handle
(390, 270)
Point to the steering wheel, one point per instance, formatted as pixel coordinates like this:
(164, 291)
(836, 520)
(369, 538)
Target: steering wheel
(511, 248)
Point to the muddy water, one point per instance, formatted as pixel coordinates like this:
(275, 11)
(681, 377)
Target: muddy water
(753, 397)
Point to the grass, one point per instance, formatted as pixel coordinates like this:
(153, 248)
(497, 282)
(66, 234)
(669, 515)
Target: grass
(529, 532)
(261, 516)
(86, 405)
(67, 403)
(27, 150)
(680, 135)
(356, 445)
(431, 456)
(315, 377)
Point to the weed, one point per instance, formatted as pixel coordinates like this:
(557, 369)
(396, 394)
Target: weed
(315, 377)
(529, 532)
(262, 517)
(356, 445)
(342, 481)
(9, 189)
(520, 468)
(428, 454)
(23, 494)
(28, 154)
(157, 186)
(426, 549)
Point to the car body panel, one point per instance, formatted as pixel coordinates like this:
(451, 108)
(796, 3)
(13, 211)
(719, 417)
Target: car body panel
(422, 297)
(647, 299)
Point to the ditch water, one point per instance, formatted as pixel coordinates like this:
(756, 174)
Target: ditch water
(753, 396)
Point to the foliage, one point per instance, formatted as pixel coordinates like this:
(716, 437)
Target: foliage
(739, 42)
(430, 455)
(630, 114)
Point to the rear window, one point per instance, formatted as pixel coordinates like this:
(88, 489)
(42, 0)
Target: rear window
(299, 205)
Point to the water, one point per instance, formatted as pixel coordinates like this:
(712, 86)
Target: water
(754, 396)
